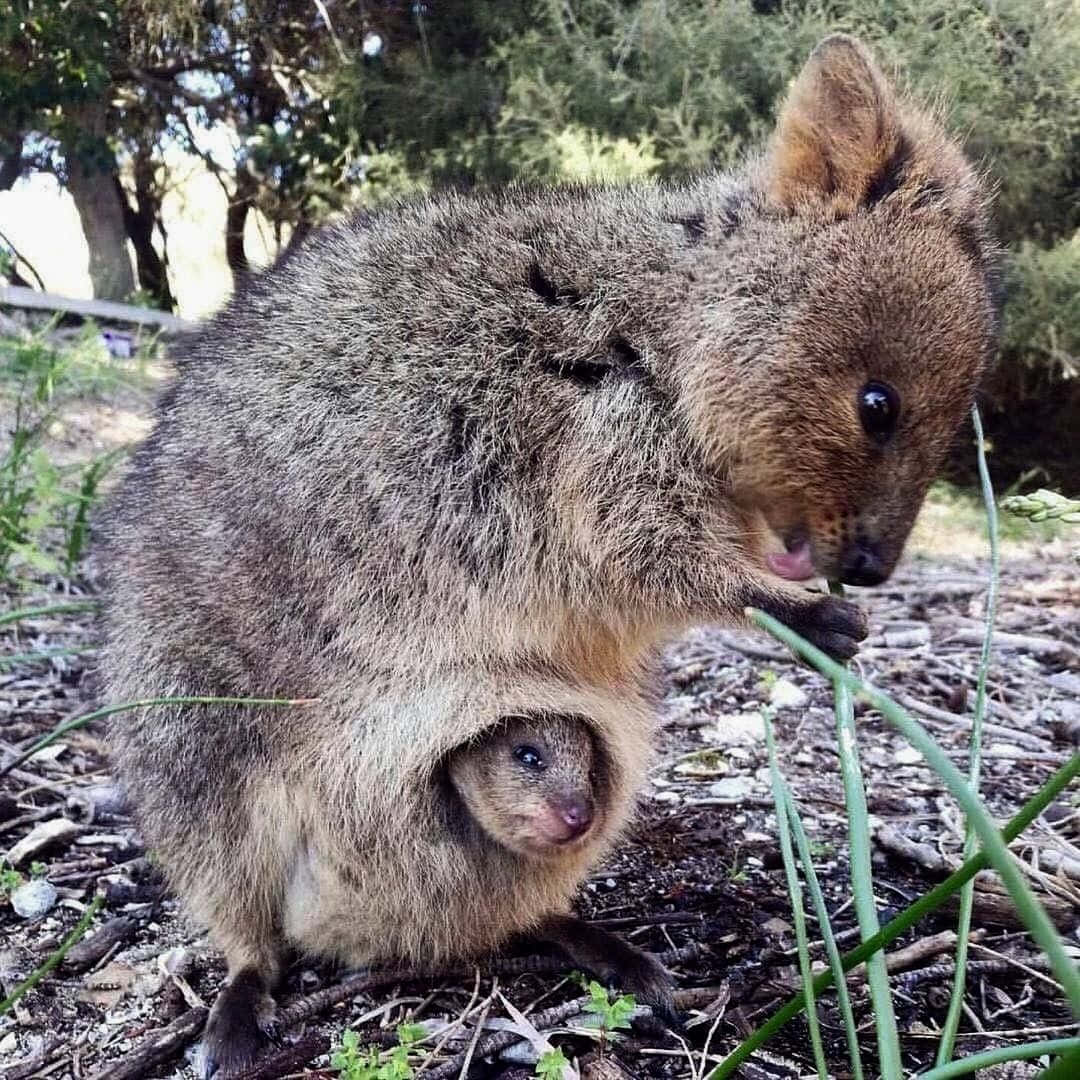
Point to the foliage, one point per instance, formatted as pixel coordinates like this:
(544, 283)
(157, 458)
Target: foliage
(355, 1063)
(45, 506)
(551, 1065)
(10, 880)
(323, 107)
(612, 1011)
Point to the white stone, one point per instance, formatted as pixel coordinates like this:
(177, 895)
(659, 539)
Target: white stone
(786, 695)
(33, 898)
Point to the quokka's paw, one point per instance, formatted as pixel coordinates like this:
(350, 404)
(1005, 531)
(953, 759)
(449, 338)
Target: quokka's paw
(835, 626)
(650, 982)
(238, 1030)
(633, 971)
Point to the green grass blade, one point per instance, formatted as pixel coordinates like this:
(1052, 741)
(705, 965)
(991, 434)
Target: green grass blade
(1027, 905)
(995, 1057)
(143, 703)
(903, 922)
(798, 911)
(66, 945)
(1067, 1067)
(862, 879)
(53, 609)
(967, 894)
(836, 966)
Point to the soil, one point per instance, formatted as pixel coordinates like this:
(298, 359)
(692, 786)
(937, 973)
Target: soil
(700, 877)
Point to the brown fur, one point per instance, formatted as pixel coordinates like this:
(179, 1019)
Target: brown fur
(478, 457)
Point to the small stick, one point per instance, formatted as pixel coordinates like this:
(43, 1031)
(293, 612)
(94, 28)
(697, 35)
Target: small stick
(114, 932)
(162, 1045)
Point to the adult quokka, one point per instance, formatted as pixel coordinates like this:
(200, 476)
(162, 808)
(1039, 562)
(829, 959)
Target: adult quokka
(477, 457)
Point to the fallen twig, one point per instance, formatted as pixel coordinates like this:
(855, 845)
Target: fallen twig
(162, 1045)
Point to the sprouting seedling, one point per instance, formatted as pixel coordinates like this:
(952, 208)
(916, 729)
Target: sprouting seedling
(356, 1063)
(551, 1065)
(352, 1062)
(10, 880)
(612, 1011)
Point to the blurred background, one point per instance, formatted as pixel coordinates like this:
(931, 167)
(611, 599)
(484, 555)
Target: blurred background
(153, 150)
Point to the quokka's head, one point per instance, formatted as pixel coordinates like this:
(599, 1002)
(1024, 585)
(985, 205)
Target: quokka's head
(863, 316)
(535, 785)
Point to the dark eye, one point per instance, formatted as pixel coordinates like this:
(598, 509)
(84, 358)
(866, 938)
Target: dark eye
(879, 409)
(530, 757)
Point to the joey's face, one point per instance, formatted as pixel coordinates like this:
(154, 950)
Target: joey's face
(531, 784)
(864, 391)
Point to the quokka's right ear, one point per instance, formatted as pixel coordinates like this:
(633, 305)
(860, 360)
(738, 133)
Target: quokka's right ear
(838, 136)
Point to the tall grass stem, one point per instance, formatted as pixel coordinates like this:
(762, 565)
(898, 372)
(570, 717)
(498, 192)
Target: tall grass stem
(862, 877)
(903, 922)
(1027, 905)
(798, 911)
(967, 894)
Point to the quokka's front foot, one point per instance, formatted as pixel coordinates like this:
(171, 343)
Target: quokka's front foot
(615, 962)
(834, 625)
(240, 1027)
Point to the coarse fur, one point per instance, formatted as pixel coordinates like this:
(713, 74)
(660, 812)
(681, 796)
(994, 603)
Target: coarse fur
(477, 457)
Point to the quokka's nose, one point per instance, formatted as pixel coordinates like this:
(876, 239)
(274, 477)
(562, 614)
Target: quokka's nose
(862, 564)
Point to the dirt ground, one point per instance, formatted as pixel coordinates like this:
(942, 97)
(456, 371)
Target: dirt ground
(699, 879)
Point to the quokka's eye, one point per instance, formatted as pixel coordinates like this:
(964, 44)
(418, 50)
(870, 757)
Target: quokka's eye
(879, 409)
(530, 757)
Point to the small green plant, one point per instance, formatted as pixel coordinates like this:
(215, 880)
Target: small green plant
(551, 1065)
(352, 1062)
(356, 1063)
(612, 1011)
(10, 880)
(38, 869)
(45, 507)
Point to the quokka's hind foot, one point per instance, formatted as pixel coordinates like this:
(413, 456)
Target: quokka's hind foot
(240, 1027)
(616, 962)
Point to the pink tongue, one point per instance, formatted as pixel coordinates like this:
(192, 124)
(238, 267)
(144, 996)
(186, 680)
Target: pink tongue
(795, 565)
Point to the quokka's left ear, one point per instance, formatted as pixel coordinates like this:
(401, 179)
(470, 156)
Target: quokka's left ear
(839, 134)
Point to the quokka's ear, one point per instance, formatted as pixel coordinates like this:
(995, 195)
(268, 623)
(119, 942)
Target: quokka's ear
(838, 135)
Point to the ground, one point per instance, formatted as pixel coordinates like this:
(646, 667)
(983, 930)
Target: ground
(699, 879)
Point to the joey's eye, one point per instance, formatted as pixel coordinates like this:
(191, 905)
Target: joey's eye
(530, 757)
(879, 409)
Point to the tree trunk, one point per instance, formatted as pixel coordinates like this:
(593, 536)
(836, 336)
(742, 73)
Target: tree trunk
(93, 187)
(240, 204)
(140, 222)
(11, 146)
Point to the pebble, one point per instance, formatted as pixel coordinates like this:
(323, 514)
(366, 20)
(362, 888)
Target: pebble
(786, 695)
(735, 788)
(33, 899)
(9, 1043)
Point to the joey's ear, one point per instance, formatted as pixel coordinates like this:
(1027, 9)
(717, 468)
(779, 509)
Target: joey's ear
(838, 137)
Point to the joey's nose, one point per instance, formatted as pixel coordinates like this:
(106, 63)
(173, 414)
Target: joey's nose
(576, 814)
(862, 564)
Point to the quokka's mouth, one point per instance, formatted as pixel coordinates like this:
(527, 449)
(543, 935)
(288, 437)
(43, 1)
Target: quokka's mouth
(796, 561)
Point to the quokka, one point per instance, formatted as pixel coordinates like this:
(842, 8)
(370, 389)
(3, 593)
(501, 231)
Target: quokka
(478, 457)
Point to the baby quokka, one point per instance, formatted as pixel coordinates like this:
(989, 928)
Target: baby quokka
(479, 457)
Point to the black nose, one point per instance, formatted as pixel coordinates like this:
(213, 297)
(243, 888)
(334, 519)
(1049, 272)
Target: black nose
(862, 564)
